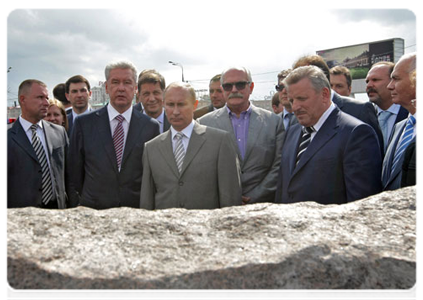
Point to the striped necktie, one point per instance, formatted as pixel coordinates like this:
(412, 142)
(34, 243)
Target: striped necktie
(405, 140)
(46, 184)
(179, 151)
(304, 142)
(118, 138)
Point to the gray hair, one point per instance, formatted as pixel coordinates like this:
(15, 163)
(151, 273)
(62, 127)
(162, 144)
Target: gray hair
(316, 76)
(412, 57)
(121, 65)
(183, 85)
(242, 69)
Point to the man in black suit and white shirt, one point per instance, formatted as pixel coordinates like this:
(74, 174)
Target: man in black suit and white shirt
(151, 85)
(78, 92)
(36, 153)
(107, 145)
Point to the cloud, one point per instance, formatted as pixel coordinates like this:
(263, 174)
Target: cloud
(384, 17)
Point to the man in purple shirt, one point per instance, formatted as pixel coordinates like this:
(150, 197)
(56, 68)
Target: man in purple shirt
(257, 133)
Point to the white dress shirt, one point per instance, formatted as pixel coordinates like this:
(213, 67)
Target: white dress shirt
(187, 131)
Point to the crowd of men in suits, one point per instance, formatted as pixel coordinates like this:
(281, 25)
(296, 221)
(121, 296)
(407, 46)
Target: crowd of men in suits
(163, 152)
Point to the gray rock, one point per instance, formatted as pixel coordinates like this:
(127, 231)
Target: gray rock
(368, 244)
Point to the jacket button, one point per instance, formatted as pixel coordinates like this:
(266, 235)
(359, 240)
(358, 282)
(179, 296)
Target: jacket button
(181, 183)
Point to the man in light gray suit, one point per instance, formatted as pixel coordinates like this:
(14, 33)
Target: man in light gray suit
(257, 135)
(36, 153)
(190, 165)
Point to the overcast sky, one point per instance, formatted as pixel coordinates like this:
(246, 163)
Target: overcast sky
(204, 36)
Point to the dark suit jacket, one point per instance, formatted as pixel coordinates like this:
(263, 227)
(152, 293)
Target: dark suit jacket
(409, 166)
(24, 170)
(70, 122)
(202, 111)
(392, 180)
(210, 176)
(341, 164)
(94, 171)
(364, 111)
(166, 124)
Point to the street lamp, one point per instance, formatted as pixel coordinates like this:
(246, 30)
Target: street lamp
(178, 64)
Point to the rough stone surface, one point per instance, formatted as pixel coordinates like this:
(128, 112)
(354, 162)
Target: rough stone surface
(368, 244)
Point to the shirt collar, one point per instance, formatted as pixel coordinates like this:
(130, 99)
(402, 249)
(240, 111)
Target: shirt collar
(246, 112)
(187, 131)
(26, 124)
(113, 113)
(323, 117)
(394, 108)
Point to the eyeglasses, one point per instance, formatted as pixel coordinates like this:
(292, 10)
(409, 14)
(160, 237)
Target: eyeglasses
(279, 87)
(415, 103)
(240, 85)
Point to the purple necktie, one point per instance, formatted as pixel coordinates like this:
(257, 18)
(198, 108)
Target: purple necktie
(118, 137)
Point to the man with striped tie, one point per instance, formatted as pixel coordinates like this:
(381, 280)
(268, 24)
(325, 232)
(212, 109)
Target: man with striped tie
(189, 166)
(403, 92)
(330, 157)
(106, 145)
(36, 153)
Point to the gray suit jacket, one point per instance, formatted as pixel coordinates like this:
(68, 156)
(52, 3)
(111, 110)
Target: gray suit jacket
(259, 168)
(392, 180)
(24, 171)
(209, 178)
(92, 158)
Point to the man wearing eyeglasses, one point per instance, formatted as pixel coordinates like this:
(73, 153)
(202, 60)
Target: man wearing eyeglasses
(257, 134)
(288, 116)
(406, 131)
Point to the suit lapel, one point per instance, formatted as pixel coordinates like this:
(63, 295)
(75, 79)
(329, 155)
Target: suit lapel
(104, 132)
(136, 126)
(166, 149)
(325, 133)
(254, 128)
(47, 135)
(223, 122)
(20, 137)
(387, 175)
(290, 152)
(195, 142)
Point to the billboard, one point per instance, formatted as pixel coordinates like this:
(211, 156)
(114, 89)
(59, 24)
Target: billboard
(360, 58)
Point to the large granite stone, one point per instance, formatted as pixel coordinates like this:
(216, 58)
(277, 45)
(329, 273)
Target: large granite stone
(368, 244)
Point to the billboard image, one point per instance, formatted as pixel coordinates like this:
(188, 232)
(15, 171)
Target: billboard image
(360, 58)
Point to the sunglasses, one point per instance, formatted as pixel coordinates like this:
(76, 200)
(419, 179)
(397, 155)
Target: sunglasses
(240, 85)
(279, 87)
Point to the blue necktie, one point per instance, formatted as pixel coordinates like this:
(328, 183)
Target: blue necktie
(405, 140)
(383, 122)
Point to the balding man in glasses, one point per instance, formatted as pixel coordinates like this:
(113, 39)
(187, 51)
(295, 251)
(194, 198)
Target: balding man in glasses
(257, 134)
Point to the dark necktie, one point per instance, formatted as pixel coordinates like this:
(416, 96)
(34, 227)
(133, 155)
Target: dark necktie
(46, 184)
(118, 138)
(304, 142)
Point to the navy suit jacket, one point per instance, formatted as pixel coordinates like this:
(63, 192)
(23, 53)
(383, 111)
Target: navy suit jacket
(342, 163)
(392, 180)
(24, 170)
(364, 111)
(94, 170)
(70, 122)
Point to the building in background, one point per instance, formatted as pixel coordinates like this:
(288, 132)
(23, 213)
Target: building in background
(360, 58)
